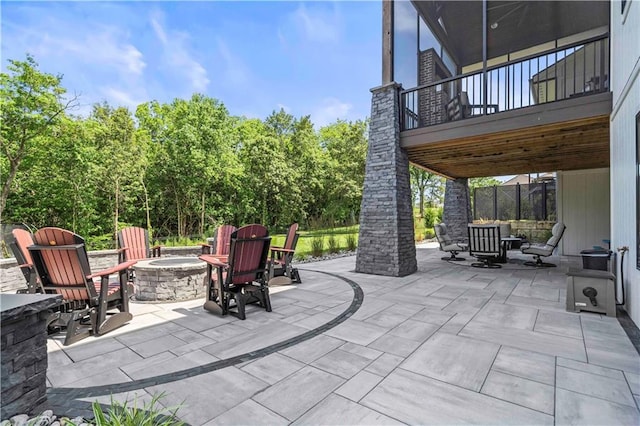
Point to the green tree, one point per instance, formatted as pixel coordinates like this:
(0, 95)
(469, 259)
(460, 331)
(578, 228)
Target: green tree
(345, 144)
(31, 102)
(426, 186)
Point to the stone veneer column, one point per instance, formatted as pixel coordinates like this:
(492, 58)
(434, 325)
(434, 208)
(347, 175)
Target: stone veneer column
(23, 338)
(386, 245)
(457, 208)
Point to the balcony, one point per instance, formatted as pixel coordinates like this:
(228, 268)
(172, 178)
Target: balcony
(540, 103)
(578, 70)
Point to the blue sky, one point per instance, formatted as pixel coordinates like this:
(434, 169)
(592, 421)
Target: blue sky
(317, 58)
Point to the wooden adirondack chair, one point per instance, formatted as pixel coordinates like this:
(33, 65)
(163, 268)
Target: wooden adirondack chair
(221, 242)
(243, 278)
(19, 246)
(133, 243)
(280, 262)
(61, 261)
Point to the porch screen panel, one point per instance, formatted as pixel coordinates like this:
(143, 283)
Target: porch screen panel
(483, 203)
(551, 202)
(506, 197)
(405, 44)
(531, 201)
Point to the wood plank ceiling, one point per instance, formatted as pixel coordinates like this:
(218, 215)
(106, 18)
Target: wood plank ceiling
(569, 145)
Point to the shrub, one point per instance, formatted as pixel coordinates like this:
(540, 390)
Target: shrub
(432, 215)
(332, 242)
(317, 246)
(429, 234)
(352, 242)
(122, 415)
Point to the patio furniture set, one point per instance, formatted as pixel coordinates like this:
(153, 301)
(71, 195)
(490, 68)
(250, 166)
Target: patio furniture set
(238, 271)
(489, 243)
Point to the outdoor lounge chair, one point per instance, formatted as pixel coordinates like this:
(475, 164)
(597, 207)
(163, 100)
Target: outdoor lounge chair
(133, 243)
(544, 250)
(22, 239)
(485, 245)
(447, 244)
(221, 242)
(280, 262)
(243, 278)
(61, 261)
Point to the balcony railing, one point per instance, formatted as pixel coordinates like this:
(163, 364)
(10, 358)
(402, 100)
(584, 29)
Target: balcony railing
(578, 69)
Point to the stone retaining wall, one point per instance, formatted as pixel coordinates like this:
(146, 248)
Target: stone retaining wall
(12, 279)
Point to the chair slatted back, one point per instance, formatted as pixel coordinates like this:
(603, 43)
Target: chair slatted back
(22, 240)
(60, 257)
(484, 240)
(136, 240)
(248, 254)
(223, 239)
(292, 237)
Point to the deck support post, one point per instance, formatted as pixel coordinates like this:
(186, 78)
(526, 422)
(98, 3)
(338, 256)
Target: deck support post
(386, 244)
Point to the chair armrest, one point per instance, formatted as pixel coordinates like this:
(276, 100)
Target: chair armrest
(525, 246)
(123, 249)
(119, 267)
(26, 265)
(281, 250)
(213, 260)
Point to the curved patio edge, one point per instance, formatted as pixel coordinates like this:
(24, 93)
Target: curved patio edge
(62, 395)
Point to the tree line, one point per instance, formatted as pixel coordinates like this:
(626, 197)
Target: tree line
(178, 168)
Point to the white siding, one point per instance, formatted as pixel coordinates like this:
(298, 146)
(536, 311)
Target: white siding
(584, 199)
(625, 85)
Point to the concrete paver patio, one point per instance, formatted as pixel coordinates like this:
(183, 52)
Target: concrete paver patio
(449, 344)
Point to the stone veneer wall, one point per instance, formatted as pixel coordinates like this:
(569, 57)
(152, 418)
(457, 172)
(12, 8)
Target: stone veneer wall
(457, 209)
(386, 244)
(23, 353)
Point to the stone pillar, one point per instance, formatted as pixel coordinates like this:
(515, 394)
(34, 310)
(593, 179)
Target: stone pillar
(386, 245)
(24, 351)
(431, 103)
(457, 208)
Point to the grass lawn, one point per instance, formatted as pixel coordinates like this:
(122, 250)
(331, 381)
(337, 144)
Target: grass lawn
(304, 247)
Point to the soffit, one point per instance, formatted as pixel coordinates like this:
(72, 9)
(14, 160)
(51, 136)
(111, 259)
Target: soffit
(521, 24)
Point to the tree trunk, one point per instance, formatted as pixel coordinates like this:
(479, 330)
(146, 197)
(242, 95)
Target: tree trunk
(146, 204)
(116, 209)
(202, 216)
(6, 187)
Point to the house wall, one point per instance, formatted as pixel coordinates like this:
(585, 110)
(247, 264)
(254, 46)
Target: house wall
(625, 85)
(583, 206)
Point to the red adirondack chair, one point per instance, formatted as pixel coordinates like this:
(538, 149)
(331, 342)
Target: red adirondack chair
(243, 278)
(280, 262)
(22, 240)
(61, 261)
(221, 242)
(133, 243)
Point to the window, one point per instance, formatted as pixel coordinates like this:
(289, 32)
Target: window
(638, 190)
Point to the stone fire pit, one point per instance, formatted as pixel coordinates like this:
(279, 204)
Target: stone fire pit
(170, 278)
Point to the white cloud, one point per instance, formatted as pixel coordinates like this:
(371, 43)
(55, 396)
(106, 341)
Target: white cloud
(313, 22)
(103, 45)
(235, 72)
(329, 111)
(283, 107)
(177, 55)
(121, 97)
